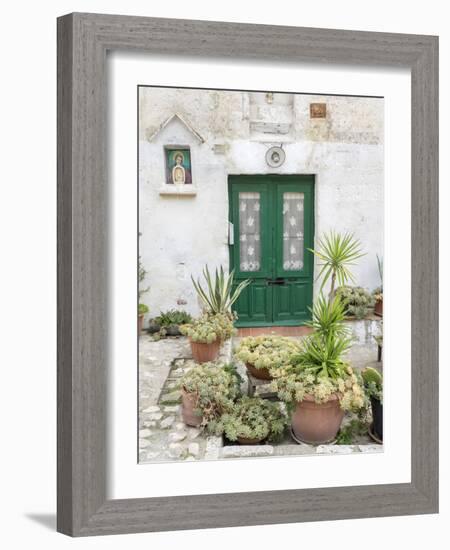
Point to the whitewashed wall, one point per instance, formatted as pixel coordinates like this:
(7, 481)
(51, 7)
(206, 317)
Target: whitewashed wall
(180, 234)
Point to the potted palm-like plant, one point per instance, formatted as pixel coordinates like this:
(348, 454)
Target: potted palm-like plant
(319, 385)
(373, 384)
(336, 253)
(207, 391)
(252, 420)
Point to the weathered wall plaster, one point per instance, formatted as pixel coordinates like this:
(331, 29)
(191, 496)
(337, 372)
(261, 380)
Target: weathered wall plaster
(180, 234)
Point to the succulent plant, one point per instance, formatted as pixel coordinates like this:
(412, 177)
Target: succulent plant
(373, 383)
(173, 317)
(209, 328)
(253, 418)
(320, 371)
(219, 295)
(357, 300)
(215, 387)
(269, 352)
(143, 308)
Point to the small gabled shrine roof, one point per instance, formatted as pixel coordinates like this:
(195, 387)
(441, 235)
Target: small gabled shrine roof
(183, 121)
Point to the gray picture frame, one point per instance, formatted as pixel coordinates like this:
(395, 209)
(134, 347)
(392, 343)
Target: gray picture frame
(83, 41)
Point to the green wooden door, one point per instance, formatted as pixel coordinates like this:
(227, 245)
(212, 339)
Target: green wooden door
(272, 221)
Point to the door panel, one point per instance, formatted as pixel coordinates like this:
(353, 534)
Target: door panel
(254, 305)
(273, 227)
(291, 302)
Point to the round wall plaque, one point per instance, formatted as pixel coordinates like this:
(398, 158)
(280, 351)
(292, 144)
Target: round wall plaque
(275, 157)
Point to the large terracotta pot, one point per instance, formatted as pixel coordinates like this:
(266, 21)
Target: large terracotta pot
(187, 409)
(202, 353)
(140, 323)
(378, 309)
(316, 423)
(260, 374)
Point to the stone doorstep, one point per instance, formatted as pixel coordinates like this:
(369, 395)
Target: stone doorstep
(254, 451)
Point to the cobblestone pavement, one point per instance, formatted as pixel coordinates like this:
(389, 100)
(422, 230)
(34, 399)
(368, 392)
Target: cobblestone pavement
(163, 436)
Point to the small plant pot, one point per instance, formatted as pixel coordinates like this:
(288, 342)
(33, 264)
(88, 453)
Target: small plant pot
(316, 423)
(173, 330)
(203, 353)
(140, 323)
(377, 415)
(187, 410)
(153, 327)
(249, 441)
(378, 308)
(260, 374)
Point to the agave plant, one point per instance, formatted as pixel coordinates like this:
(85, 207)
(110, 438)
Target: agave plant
(219, 295)
(337, 252)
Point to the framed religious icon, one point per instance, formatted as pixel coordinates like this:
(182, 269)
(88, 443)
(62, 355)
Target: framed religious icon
(178, 165)
(247, 277)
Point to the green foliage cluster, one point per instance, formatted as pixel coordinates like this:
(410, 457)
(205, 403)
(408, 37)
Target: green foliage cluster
(356, 300)
(270, 352)
(253, 418)
(373, 383)
(380, 265)
(215, 387)
(219, 296)
(377, 294)
(353, 429)
(336, 252)
(327, 317)
(173, 317)
(320, 372)
(209, 328)
(143, 308)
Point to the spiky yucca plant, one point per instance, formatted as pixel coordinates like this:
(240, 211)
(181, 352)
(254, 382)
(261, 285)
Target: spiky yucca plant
(337, 252)
(219, 295)
(328, 316)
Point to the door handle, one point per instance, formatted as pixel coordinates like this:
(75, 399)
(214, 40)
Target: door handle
(278, 281)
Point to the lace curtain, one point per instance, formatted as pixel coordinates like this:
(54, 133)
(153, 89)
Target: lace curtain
(293, 231)
(249, 231)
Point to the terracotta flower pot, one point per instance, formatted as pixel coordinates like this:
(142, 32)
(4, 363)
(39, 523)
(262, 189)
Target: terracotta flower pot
(316, 423)
(202, 353)
(140, 322)
(260, 374)
(187, 409)
(378, 309)
(248, 441)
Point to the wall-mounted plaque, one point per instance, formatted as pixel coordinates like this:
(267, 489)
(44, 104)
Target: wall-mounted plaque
(318, 110)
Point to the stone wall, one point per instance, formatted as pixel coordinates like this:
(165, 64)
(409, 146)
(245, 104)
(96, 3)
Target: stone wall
(229, 133)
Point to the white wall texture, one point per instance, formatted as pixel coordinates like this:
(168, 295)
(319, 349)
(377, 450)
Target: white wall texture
(180, 234)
